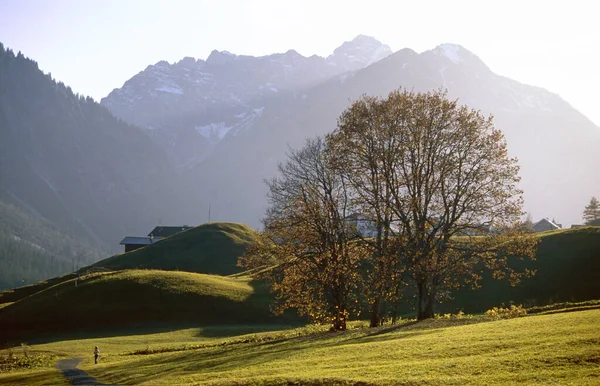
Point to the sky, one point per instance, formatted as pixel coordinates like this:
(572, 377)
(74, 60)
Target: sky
(95, 46)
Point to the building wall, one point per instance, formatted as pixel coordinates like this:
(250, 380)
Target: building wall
(132, 247)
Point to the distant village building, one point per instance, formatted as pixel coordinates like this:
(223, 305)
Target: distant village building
(166, 231)
(363, 226)
(132, 243)
(545, 225)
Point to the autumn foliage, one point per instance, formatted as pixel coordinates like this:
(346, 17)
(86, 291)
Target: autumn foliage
(440, 193)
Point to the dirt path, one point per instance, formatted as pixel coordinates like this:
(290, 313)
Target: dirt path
(69, 369)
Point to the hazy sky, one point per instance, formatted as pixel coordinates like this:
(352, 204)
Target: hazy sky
(94, 46)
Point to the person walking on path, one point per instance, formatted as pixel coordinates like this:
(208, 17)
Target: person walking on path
(96, 353)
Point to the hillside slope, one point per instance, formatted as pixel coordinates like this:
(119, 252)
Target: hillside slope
(32, 249)
(105, 301)
(567, 265)
(209, 248)
(66, 159)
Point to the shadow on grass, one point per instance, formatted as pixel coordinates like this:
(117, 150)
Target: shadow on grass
(236, 330)
(121, 311)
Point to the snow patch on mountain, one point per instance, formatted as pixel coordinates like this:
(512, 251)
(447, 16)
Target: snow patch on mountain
(214, 132)
(170, 89)
(248, 120)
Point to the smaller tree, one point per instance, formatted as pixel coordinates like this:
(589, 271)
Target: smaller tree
(591, 213)
(306, 250)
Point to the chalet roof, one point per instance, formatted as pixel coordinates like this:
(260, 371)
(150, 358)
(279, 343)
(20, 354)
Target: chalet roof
(356, 216)
(166, 231)
(545, 221)
(144, 240)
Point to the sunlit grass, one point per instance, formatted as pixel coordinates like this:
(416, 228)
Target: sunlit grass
(539, 349)
(560, 348)
(38, 377)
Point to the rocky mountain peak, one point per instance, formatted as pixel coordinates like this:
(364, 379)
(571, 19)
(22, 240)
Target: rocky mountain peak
(220, 57)
(163, 64)
(187, 62)
(458, 54)
(359, 53)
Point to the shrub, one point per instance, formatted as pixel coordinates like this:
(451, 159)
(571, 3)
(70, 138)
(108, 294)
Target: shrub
(458, 315)
(506, 313)
(14, 362)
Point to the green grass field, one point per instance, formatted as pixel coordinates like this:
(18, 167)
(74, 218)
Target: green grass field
(561, 348)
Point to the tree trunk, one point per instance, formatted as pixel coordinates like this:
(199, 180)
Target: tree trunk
(429, 311)
(420, 299)
(429, 304)
(375, 317)
(339, 322)
(395, 311)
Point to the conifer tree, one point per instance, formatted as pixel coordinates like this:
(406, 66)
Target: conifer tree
(591, 213)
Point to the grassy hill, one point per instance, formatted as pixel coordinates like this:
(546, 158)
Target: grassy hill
(16, 294)
(209, 248)
(567, 264)
(108, 301)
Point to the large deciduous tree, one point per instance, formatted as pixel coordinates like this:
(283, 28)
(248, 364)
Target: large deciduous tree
(441, 173)
(435, 181)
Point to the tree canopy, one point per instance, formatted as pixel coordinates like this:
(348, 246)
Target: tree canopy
(436, 183)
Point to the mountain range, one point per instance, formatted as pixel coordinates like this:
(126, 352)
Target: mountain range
(226, 122)
(177, 139)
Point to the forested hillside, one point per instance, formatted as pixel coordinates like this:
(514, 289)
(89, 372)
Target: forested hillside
(66, 159)
(32, 249)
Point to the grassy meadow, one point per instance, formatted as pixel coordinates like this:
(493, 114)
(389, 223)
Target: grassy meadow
(558, 348)
(172, 323)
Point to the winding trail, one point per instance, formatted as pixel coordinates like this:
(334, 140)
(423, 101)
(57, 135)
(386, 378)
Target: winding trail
(69, 369)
